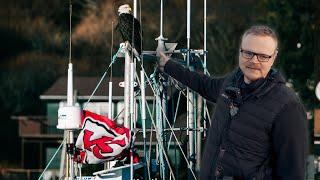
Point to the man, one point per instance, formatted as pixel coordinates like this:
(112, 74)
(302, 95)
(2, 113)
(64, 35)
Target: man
(259, 129)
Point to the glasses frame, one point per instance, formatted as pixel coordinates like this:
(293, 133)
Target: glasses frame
(259, 55)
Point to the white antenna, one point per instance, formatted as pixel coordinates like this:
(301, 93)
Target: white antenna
(110, 81)
(161, 18)
(69, 116)
(70, 69)
(135, 8)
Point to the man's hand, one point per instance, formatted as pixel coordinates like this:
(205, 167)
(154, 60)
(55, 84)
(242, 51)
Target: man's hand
(163, 59)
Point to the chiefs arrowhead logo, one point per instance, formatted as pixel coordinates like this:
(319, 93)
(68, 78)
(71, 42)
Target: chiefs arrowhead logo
(101, 139)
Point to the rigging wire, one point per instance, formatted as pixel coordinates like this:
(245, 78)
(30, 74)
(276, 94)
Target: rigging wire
(170, 127)
(175, 118)
(153, 123)
(160, 144)
(70, 55)
(50, 161)
(103, 76)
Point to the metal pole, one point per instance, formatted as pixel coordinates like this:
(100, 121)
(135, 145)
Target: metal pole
(132, 70)
(71, 143)
(107, 164)
(205, 62)
(161, 45)
(135, 8)
(63, 156)
(70, 86)
(159, 126)
(188, 60)
(164, 111)
(131, 91)
(191, 126)
(188, 21)
(159, 102)
(70, 97)
(127, 61)
(161, 18)
(143, 119)
(190, 99)
(200, 105)
(110, 101)
(70, 70)
(198, 144)
(143, 105)
(205, 34)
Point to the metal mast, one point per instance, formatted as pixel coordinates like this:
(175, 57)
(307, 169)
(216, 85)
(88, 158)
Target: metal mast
(69, 116)
(190, 98)
(161, 101)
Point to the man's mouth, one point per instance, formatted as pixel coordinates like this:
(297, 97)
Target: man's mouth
(254, 68)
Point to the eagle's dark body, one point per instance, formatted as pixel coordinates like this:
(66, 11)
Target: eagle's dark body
(129, 28)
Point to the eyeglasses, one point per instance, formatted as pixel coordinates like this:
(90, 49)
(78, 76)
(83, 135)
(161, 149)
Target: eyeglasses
(261, 57)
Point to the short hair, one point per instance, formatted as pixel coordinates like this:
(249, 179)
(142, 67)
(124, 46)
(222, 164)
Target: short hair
(261, 30)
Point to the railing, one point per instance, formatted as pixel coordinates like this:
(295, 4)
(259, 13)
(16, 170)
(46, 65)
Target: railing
(28, 174)
(36, 126)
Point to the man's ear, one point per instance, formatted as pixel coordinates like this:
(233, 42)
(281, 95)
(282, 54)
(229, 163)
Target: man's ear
(276, 54)
(275, 60)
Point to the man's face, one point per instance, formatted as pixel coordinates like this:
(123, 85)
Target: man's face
(265, 46)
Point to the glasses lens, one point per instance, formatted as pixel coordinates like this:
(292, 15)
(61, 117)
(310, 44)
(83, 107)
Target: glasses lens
(247, 54)
(262, 57)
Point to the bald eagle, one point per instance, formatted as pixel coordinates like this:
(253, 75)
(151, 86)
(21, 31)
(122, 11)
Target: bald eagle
(129, 27)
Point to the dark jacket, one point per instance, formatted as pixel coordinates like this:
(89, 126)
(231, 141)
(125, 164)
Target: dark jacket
(262, 134)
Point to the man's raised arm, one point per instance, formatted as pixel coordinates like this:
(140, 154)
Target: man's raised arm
(206, 86)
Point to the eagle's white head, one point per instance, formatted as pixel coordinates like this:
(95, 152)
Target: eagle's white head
(124, 9)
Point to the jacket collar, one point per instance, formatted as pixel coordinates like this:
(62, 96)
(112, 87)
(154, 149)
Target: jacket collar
(274, 77)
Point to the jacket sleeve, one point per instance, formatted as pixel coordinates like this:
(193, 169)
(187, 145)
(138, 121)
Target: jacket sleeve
(207, 87)
(289, 136)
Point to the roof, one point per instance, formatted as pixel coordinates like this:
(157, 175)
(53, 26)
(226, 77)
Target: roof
(85, 86)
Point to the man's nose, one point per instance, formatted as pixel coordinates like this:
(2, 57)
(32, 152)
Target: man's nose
(254, 59)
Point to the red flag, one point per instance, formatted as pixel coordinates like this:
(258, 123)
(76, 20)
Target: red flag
(101, 139)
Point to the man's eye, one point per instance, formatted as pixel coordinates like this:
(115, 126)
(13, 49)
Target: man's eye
(263, 56)
(248, 54)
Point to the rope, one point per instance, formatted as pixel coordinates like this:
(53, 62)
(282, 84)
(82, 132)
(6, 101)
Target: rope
(148, 162)
(54, 155)
(157, 133)
(160, 144)
(170, 127)
(175, 118)
(103, 76)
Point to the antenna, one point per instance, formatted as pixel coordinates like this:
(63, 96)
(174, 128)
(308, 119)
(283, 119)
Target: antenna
(70, 29)
(69, 116)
